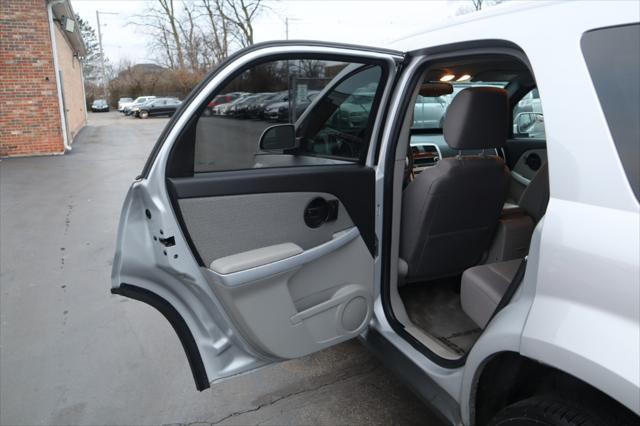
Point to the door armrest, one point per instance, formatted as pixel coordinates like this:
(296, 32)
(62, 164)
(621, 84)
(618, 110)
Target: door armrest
(253, 258)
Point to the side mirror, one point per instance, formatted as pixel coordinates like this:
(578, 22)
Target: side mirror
(528, 122)
(279, 138)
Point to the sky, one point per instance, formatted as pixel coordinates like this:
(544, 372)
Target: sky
(374, 23)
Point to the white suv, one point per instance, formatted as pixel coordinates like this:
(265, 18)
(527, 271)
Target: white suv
(494, 267)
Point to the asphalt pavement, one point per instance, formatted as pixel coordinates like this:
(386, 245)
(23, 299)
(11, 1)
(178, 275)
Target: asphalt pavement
(72, 353)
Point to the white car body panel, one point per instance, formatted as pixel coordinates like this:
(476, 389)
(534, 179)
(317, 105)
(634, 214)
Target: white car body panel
(587, 293)
(578, 306)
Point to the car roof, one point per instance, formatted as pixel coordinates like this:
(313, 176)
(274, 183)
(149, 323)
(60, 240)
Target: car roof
(519, 23)
(507, 8)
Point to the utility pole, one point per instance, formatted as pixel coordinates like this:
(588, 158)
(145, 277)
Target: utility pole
(286, 27)
(104, 73)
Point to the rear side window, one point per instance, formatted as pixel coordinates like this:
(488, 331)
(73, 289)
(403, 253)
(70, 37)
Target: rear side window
(613, 59)
(331, 104)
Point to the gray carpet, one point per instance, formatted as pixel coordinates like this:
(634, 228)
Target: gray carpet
(435, 308)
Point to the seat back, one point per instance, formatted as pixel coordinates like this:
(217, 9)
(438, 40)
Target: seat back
(450, 210)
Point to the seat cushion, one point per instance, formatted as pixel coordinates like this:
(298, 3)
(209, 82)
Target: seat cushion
(482, 288)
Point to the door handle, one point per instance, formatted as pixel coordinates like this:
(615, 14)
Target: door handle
(319, 211)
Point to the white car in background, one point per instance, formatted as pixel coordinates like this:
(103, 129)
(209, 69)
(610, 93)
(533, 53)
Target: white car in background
(123, 103)
(501, 282)
(140, 100)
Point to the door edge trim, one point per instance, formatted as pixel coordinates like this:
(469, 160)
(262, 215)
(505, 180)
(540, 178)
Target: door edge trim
(179, 326)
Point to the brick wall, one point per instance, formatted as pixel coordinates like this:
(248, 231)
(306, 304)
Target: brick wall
(29, 112)
(71, 69)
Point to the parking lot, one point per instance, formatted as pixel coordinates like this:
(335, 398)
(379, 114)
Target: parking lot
(72, 353)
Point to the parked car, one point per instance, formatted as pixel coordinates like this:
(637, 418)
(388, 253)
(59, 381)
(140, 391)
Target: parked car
(241, 109)
(223, 99)
(227, 109)
(500, 283)
(428, 112)
(529, 103)
(255, 108)
(271, 108)
(123, 103)
(218, 109)
(100, 105)
(140, 100)
(158, 107)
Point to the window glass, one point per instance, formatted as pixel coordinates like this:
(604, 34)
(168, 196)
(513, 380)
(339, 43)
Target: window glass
(340, 127)
(528, 120)
(613, 60)
(329, 102)
(429, 111)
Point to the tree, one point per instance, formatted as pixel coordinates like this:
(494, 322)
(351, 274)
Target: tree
(219, 29)
(196, 36)
(241, 14)
(160, 22)
(91, 64)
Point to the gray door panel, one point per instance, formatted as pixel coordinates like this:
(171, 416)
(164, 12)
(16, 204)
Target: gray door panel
(252, 221)
(305, 308)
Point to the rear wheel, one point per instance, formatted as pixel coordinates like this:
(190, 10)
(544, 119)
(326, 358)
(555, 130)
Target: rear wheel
(550, 411)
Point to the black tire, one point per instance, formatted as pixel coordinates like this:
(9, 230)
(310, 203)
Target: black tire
(549, 411)
(143, 114)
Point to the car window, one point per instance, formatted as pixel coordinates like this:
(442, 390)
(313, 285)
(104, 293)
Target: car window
(340, 129)
(341, 95)
(528, 119)
(429, 111)
(618, 89)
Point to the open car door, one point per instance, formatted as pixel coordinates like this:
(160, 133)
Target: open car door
(262, 253)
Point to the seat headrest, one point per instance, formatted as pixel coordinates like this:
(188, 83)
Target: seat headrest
(477, 118)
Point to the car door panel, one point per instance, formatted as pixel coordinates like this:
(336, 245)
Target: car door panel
(351, 184)
(306, 306)
(234, 258)
(302, 300)
(251, 221)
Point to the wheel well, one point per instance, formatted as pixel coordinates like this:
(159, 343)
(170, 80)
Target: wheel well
(509, 377)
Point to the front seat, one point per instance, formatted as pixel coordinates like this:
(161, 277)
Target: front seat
(450, 211)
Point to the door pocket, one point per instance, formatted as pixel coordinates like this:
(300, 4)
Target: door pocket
(307, 306)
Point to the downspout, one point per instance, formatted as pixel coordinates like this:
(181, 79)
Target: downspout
(56, 67)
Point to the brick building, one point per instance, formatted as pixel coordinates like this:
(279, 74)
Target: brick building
(42, 103)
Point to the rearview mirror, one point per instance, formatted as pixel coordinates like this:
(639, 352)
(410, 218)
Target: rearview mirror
(278, 138)
(433, 89)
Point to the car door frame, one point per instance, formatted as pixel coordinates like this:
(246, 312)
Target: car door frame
(217, 330)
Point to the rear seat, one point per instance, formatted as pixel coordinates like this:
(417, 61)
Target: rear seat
(482, 286)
